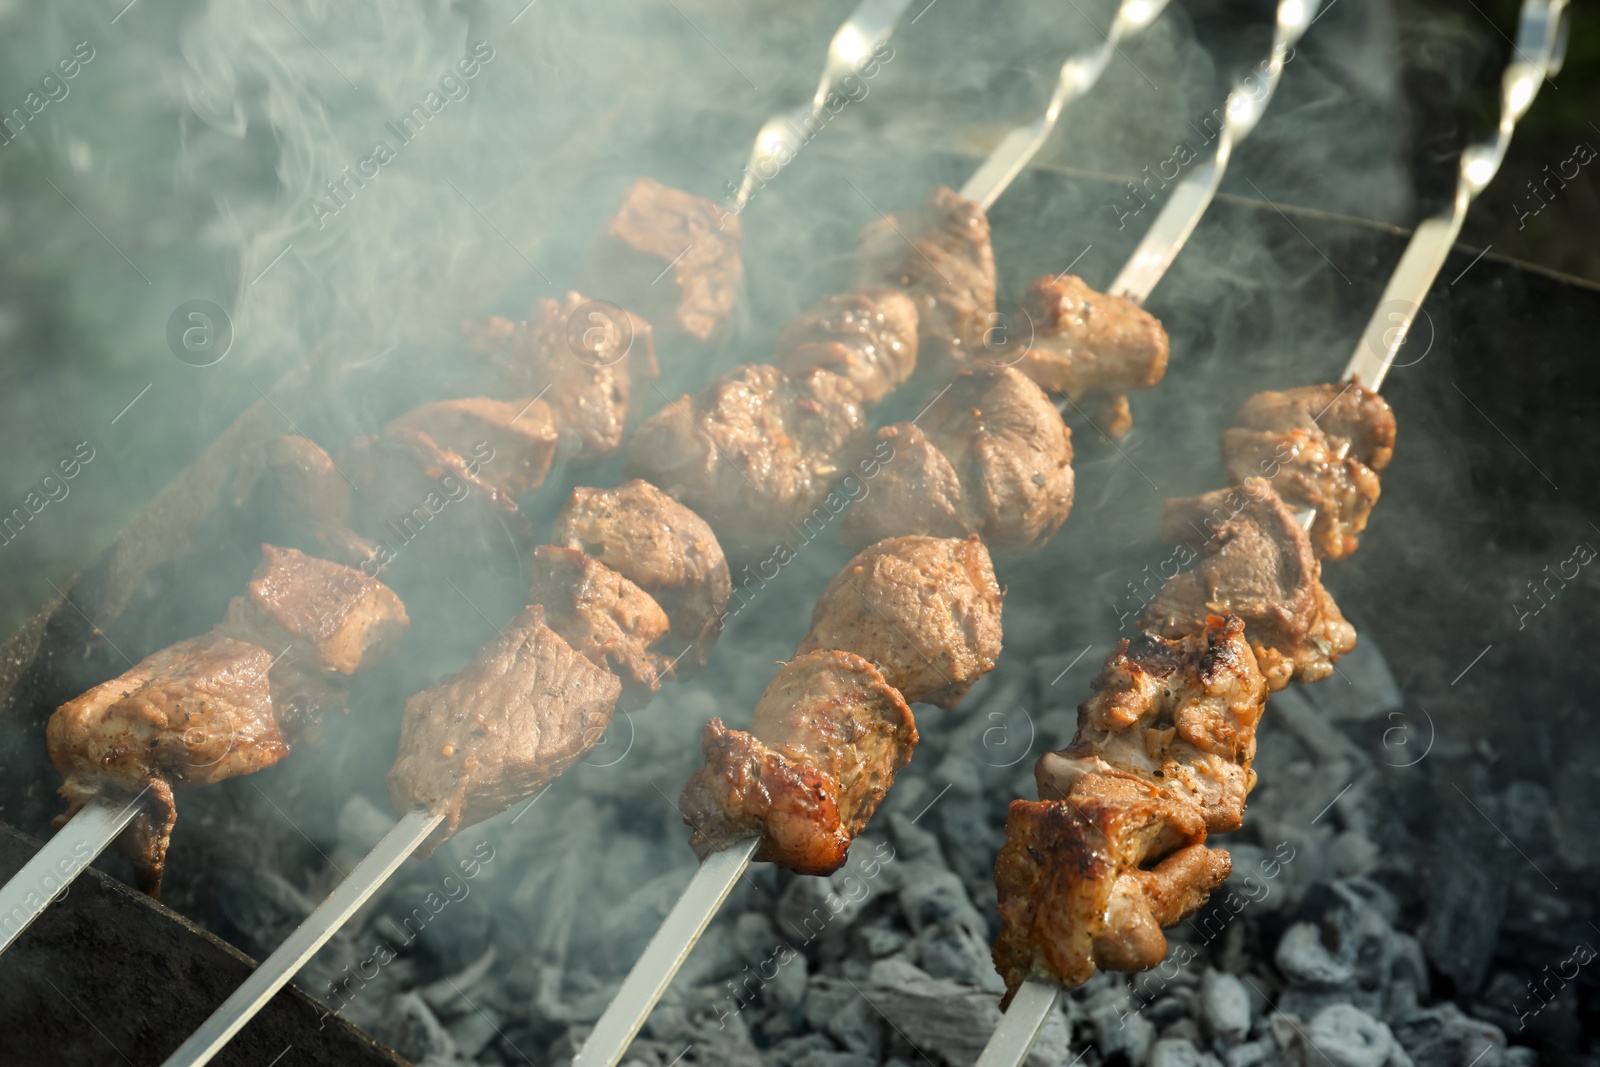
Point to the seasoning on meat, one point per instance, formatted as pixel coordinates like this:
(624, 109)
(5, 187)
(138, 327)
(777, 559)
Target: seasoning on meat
(520, 436)
(604, 617)
(867, 335)
(664, 548)
(1006, 475)
(924, 610)
(226, 703)
(1089, 346)
(584, 358)
(513, 719)
(1260, 567)
(939, 255)
(755, 454)
(1321, 446)
(674, 256)
(828, 736)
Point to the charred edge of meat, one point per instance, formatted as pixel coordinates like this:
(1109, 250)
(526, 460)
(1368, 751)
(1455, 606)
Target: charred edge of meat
(604, 617)
(1179, 714)
(924, 610)
(1260, 566)
(1088, 881)
(828, 736)
(867, 335)
(990, 456)
(667, 550)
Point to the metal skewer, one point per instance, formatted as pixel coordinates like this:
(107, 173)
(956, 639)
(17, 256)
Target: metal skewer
(1078, 75)
(1541, 33)
(47, 875)
(869, 25)
(276, 970)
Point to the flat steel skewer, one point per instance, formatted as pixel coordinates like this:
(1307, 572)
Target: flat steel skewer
(276, 970)
(869, 25)
(63, 857)
(1078, 75)
(1541, 33)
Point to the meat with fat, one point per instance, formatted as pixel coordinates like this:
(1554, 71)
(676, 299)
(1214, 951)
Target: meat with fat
(522, 712)
(756, 453)
(828, 736)
(1003, 468)
(924, 610)
(866, 335)
(1088, 346)
(1260, 567)
(603, 616)
(664, 548)
(518, 438)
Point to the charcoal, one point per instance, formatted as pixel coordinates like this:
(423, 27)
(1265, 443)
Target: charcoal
(950, 950)
(1349, 1037)
(948, 1021)
(1185, 1030)
(1469, 873)
(1119, 1027)
(1225, 1005)
(1178, 1052)
(1443, 1036)
(1303, 958)
(411, 1028)
(836, 1006)
(829, 1058)
(1363, 690)
(1250, 1054)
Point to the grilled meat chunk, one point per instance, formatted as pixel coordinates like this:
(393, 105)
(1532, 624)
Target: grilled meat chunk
(659, 229)
(1260, 567)
(1322, 446)
(755, 454)
(1089, 880)
(924, 610)
(583, 357)
(867, 335)
(604, 617)
(1009, 451)
(523, 711)
(939, 255)
(192, 714)
(302, 500)
(664, 548)
(520, 436)
(828, 737)
(1180, 714)
(1087, 344)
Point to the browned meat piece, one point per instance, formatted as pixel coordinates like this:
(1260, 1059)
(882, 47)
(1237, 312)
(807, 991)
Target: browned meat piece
(603, 616)
(867, 335)
(409, 484)
(301, 499)
(1089, 880)
(661, 230)
(520, 436)
(1179, 714)
(663, 547)
(194, 713)
(1083, 343)
(325, 614)
(1260, 567)
(1320, 446)
(828, 737)
(583, 357)
(924, 610)
(1009, 450)
(755, 453)
(513, 719)
(941, 257)
(1357, 420)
